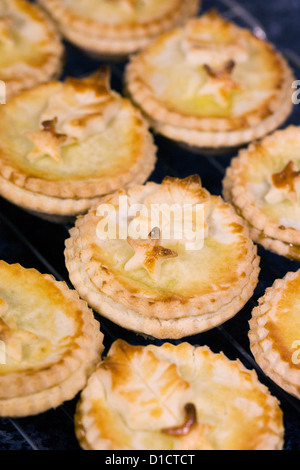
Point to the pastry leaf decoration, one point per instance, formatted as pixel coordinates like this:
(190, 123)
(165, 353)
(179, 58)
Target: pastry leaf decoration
(189, 423)
(149, 254)
(150, 394)
(147, 390)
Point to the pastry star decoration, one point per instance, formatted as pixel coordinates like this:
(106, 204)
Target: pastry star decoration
(46, 142)
(83, 107)
(149, 254)
(285, 183)
(5, 30)
(209, 43)
(13, 338)
(220, 83)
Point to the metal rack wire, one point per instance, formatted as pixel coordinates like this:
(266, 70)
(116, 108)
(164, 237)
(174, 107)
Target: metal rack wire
(35, 243)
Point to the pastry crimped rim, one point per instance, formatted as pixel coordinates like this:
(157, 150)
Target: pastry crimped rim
(82, 235)
(280, 248)
(87, 432)
(115, 40)
(152, 326)
(210, 133)
(51, 69)
(45, 204)
(19, 389)
(266, 355)
(263, 230)
(89, 187)
(164, 318)
(40, 402)
(61, 210)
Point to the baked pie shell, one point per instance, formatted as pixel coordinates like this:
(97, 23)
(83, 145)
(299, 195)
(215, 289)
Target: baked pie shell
(265, 349)
(87, 188)
(55, 209)
(166, 317)
(88, 427)
(287, 250)
(282, 240)
(209, 133)
(50, 69)
(63, 200)
(34, 391)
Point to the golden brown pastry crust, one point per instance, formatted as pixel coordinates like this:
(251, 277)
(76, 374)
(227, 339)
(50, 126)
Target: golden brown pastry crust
(47, 372)
(44, 68)
(148, 306)
(116, 40)
(274, 234)
(175, 398)
(22, 182)
(274, 334)
(211, 132)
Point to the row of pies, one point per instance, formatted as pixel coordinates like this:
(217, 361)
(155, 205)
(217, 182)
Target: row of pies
(69, 149)
(31, 35)
(65, 146)
(174, 396)
(168, 397)
(209, 84)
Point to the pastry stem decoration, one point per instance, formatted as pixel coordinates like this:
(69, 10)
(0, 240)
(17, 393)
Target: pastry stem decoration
(46, 142)
(155, 233)
(13, 338)
(186, 427)
(285, 183)
(5, 30)
(149, 254)
(224, 73)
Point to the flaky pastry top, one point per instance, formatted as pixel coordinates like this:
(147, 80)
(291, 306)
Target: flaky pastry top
(175, 398)
(45, 331)
(119, 12)
(275, 332)
(266, 179)
(159, 264)
(30, 48)
(217, 74)
(76, 138)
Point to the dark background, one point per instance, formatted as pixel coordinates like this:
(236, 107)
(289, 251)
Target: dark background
(35, 243)
(280, 18)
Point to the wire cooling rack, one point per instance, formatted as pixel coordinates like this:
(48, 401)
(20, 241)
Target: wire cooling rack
(35, 243)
